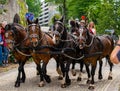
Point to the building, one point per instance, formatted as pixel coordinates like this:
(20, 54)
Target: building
(48, 11)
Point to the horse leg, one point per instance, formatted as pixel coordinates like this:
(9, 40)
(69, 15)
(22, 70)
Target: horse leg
(111, 65)
(63, 85)
(81, 70)
(20, 69)
(22, 79)
(91, 86)
(44, 71)
(88, 73)
(100, 70)
(58, 69)
(41, 84)
(67, 79)
(73, 69)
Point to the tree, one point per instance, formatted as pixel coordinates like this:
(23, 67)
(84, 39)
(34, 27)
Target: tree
(62, 7)
(34, 7)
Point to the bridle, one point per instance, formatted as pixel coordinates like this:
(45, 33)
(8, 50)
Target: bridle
(10, 41)
(33, 35)
(81, 30)
(56, 31)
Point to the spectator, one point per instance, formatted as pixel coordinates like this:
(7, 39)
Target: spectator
(91, 28)
(1, 43)
(5, 49)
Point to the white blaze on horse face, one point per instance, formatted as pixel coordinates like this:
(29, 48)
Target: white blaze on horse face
(33, 28)
(54, 40)
(81, 32)
(6, 35)
(56, 26)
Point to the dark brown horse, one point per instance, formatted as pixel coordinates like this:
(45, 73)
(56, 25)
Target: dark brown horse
(74, 32)
(40, 44)
(16, 38)
(65, 41)
(100, 46)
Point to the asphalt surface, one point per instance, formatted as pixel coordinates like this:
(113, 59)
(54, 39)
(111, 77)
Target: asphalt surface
(7, 80)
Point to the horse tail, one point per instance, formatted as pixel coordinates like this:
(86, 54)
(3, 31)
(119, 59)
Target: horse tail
(16, 19)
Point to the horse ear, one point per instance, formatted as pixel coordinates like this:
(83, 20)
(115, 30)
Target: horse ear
(36, 21)
(29, 22)
(77, 25)
(7, 27)
(62, 19)
(72, 23)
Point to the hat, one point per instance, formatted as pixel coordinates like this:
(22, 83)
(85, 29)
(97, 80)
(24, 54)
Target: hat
(82, 21)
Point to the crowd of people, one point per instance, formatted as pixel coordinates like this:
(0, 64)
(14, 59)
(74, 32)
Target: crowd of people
(4, 52)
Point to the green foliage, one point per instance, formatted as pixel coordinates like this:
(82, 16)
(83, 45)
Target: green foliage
(3, 2)
(34, 7)
(105, 13)
(22, 12)
(57, 16)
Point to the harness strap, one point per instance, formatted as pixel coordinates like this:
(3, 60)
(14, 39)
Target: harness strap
(21, 52)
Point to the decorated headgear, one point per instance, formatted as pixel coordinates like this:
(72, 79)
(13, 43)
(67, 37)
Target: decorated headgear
(83, 19)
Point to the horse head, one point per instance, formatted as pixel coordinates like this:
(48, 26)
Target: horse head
(14, 35)
(59, 31)
(74, 28)
(84, 37)
(35, 33)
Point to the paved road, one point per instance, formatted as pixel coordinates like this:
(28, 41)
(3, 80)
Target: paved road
(7, 80)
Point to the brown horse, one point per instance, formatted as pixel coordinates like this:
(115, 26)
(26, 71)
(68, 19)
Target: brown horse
(115, 55)
(40, 53)
(98, 48)
(16, 39)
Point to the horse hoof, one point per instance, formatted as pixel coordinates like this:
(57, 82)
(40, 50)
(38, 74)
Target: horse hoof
(68, 82)
(79, 79)
(91, 87)
(110, 78)
(60, 78)
(41, 84)
(22, 80)
(37, 73)
(73, 73)
(100, 77)
(88, 81)
(17, 84)
(63, 85)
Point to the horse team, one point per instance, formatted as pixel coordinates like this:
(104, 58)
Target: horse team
(65, 47)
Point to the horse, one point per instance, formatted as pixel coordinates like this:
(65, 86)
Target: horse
(40, 44)
(67, 43)
(114, 56)
(97, 48)
(16, 39)
(74, 32)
